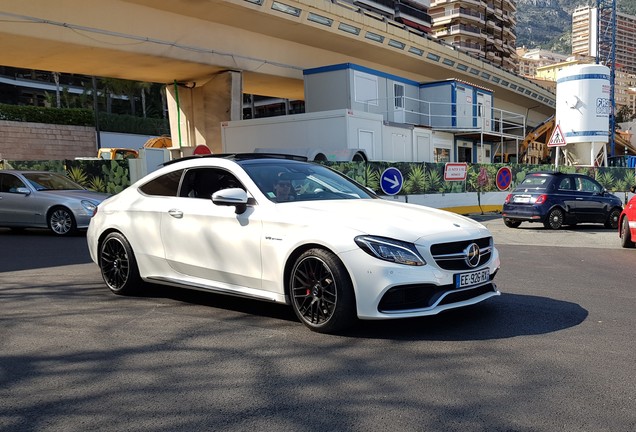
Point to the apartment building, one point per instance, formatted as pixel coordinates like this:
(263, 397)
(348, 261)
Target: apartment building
(531, 59)
(483, 28)
(585, 30)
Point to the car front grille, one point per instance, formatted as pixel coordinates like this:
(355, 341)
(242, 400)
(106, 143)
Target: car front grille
(423, 296)
(453, 256)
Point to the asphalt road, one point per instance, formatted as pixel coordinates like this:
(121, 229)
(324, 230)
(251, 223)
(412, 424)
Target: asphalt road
(555, 352)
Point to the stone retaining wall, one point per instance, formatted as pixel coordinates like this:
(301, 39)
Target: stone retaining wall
(38, 141)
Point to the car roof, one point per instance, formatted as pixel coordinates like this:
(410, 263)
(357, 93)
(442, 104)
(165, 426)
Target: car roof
(556, 174)
(14, 171)
(241, 157)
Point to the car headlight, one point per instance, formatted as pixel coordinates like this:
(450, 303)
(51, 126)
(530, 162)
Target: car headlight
(390, 250)
(89, 206)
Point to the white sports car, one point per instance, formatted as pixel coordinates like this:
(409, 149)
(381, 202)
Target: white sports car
(285, 230)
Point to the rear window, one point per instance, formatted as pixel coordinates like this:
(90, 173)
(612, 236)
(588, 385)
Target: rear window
(535, 182)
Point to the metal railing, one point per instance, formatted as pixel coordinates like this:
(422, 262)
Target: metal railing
(449, 116)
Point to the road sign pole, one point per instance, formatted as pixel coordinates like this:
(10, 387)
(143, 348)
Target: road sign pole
(556, 159)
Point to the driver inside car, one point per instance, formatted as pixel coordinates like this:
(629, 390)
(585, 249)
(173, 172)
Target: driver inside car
(283, 189)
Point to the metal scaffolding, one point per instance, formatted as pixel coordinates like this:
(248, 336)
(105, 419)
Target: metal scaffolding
(606, 55)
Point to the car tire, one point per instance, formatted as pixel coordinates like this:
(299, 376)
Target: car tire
(626, 235)
(554, 220)
(61, 221)
(118, 265)
(511, 223)
(612, 219)
(321, 292)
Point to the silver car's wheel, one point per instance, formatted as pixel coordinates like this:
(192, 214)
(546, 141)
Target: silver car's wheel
(61, 221)
(555, 219)
(118, 265)
(321, 292)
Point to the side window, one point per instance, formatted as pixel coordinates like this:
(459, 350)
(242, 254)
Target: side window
(586, 185)
(165, 185)
(566, 184)
(10, 183)
(203, 182)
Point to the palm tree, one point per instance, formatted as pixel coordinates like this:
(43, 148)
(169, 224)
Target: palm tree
(58, 100)
(145, 88)
(120, 87)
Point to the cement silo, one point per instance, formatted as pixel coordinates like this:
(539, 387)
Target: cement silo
(582, 111)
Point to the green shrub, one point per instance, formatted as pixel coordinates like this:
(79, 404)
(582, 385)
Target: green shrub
(84, 117)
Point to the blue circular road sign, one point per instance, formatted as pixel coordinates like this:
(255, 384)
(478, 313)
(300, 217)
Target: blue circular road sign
(391, 181)
(504, 178)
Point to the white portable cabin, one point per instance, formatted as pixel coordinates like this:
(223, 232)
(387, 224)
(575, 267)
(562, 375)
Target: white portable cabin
(456, 105)
(335, 135)
(358, 88)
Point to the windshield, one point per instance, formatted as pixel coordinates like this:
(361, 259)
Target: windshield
(283, 181)
(51, 181)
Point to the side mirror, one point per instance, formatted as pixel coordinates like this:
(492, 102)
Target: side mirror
(632, 189)
(23, 190)
(236, 197)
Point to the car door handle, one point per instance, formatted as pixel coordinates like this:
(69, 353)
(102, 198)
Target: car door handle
(580, 199)
(175, 213)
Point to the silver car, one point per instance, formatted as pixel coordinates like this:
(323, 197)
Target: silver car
(42, 199)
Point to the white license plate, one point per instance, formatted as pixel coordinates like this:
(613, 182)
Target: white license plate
(464, 280)
(521, 199)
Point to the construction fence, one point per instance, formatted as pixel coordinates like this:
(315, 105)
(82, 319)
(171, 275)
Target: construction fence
(112, 176)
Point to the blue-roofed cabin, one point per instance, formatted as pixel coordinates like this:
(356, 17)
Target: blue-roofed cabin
(456, 105)
(359, 88)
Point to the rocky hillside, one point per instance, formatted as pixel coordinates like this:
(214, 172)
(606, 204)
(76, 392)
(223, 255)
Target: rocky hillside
(548, 23)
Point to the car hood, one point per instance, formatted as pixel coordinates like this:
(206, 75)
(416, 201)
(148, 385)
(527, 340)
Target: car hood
(407, 222)
(96, 197)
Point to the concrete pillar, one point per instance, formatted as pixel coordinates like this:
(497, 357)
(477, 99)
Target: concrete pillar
(197, 109)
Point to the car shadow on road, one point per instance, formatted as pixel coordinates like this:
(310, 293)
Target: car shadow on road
(507, 316)
(30, 249)
(588, 228)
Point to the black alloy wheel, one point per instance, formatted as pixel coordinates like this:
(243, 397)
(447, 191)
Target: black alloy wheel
(61, 221)
(118, 265)
(511, 223)
(555, 219)
(612, 219)
(321, 292)
(626, 235)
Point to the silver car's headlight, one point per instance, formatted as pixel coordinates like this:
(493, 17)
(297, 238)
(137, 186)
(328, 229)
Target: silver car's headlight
(390, 250)
(89, 206)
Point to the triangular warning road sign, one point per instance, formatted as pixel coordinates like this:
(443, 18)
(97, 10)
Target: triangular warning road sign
(557, 139)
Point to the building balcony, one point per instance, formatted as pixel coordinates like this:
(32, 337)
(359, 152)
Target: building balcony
(419, 4)
(478, 3)
(468, 46)
(385, 7)
(412, 17)
(508, 33)
(457, 30)
(493, 56)
(466, 14)
(493, 25)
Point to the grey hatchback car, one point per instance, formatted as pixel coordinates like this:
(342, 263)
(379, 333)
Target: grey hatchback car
(42, 199)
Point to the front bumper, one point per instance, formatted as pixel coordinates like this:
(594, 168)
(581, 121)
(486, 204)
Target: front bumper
(384, 290)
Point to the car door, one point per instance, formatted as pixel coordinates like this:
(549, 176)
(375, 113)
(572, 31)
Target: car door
(212, 242)
(15, 207)
(566, 195)
(591, 204)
